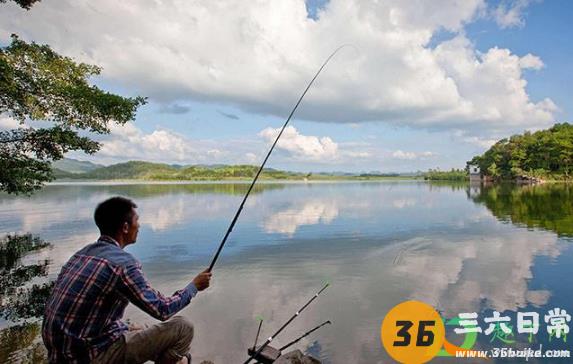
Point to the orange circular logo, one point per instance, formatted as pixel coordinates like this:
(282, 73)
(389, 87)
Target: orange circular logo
(412, 332)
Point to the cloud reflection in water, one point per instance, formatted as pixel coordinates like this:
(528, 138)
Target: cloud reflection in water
(379, 244)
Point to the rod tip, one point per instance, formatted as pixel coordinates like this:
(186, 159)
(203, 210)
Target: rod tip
(259, 318)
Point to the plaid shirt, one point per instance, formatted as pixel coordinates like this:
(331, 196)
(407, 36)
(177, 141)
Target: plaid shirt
(83, 314)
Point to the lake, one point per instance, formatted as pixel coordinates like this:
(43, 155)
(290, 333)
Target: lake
(457, 247)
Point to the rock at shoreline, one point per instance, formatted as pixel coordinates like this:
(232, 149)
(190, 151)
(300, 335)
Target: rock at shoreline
(296, 357)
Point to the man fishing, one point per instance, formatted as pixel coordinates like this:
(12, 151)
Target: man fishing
(82, 321)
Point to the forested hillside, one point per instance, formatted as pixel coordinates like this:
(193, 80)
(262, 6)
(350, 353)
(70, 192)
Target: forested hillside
(544, 154)
(157, 171)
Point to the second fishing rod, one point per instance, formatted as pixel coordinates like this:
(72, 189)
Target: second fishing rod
(291, 319)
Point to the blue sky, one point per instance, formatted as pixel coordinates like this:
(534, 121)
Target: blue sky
(427, 85)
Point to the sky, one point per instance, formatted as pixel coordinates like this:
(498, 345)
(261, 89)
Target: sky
(423, 84)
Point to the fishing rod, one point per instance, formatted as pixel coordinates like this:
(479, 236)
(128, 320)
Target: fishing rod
(305, 335)
(234, 221)
(262, 347)
(258, 332)
(269, 354)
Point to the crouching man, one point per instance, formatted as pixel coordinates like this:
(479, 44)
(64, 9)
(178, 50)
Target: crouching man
(82, 322)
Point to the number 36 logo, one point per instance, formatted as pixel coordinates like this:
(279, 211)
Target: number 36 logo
(424, 337)
(412, 332)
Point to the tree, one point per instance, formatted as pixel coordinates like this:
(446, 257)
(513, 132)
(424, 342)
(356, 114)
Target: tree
(493, 171)
(37, 84)
(545, 154)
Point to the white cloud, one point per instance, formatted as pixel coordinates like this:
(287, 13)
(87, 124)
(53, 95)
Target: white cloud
(251, 157)
(493, 86)
(352, 154)
(128, 142)
(399, 154)
(509, 13)
(303, 146)
(259, 56)
(481, 142)
(529, 61)
(403, 155)
(484, 143)
(214, 153)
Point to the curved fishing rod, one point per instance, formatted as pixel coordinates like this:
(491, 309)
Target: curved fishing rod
(234, 221)
(262, 347)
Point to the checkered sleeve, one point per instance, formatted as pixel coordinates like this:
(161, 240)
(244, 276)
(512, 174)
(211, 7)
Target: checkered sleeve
(135, 287)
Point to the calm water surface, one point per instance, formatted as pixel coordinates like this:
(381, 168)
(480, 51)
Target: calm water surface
(458, 248)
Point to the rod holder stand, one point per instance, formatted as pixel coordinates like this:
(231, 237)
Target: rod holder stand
(267, 356)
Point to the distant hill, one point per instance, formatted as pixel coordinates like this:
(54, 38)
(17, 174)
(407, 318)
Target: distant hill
(140, 170)
(133, 170)
(74, 166)
(59, 174)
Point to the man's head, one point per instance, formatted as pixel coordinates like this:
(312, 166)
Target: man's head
(117, 218)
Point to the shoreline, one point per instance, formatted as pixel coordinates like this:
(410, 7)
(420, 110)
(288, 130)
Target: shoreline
(230, 181)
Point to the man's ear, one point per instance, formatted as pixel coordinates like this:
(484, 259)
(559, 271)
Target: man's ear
(125, 228)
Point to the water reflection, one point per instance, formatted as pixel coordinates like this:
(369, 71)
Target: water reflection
(369, 276)
(475, 272)
(404, 202)
(378, 243)
(21, 300)
(547, 206)
(18, 298)
(20, 344)
(287, 221)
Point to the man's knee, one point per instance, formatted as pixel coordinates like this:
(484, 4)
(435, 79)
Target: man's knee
(184, 326)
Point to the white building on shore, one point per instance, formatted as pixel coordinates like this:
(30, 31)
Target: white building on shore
(475, 173)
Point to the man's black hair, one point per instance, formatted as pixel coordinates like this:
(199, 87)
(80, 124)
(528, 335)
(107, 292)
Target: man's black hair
(110, 215)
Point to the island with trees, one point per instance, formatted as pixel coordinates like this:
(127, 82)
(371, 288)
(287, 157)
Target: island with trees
(544, 155)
